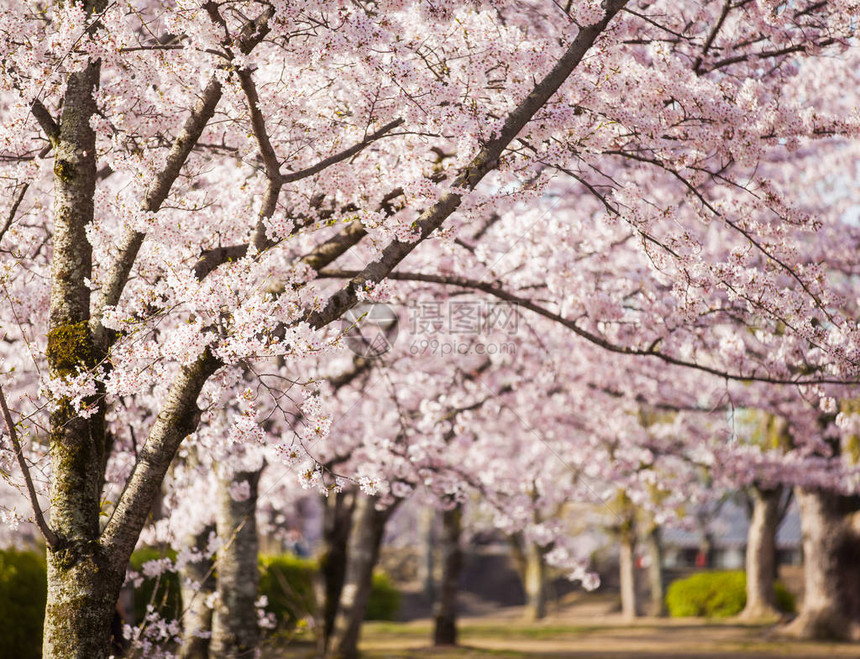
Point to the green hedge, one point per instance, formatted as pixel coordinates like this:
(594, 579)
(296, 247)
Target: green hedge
(287, 581)
(384, 598)
(716, 595)
(161, 591)
(23, 591)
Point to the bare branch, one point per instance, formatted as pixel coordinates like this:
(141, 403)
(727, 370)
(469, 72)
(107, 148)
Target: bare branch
(13, 210)
(50, 537)
(343, 155)
(651, 351)
(46, 121)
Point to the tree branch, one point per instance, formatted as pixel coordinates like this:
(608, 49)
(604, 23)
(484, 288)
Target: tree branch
(50, 537)
(486, 161)
(651, 351)
(46, 121)
(131, 241)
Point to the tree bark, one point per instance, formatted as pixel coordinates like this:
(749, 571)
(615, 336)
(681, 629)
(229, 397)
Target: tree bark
(197, 583)
(235, 632)
(761, 553)
(654, 545)
(364, 543)
(337, 524)
(627, 573)
(831, 555)
(535, 582)
(83, 583)
(445, 606)
(427, 559)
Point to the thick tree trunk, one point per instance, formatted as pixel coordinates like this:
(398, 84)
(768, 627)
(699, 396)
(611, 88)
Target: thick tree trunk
(761, 553)
(337, 523)
(83, 583)
(235, 633)
(445, 606)
(654, 545)
(831, 555)
(535, 582)
(627, 573)
(197, 583)
(82, 597)
(364, 543)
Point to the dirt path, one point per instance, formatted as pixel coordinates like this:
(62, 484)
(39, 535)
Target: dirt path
(604, 640)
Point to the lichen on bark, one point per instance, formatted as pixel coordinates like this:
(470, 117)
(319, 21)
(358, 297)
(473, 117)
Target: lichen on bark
(70, 348)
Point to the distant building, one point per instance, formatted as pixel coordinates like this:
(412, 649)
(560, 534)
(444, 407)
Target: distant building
(684, 548)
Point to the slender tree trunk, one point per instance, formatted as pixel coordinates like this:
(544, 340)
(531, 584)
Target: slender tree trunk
(761, 553)
(426, 564)
(445, 606)
(364, 543)
(337, 523)
(197, 583)
(654, 545)
(831, 566)
(235, 633)
(627, 572)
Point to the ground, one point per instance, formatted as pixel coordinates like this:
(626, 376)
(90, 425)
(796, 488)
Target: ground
(586, 627)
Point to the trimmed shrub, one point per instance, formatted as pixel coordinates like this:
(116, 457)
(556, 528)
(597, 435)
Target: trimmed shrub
(23, 591)
(287, 581)
(384, 598)
(161, 591)
(716, 595)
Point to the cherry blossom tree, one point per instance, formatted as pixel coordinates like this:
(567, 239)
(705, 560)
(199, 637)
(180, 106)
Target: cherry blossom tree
(180, 179)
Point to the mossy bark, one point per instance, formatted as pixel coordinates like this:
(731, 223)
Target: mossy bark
(83, 585)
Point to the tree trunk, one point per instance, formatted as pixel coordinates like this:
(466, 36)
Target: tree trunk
(761, 553)
(426, 563)
(654, 545)
(83, 583)
(831, 567)
(627, 573)
(197, 583)
(535, 582)
(337, 523)
(364, 543)
(82, 596)
(445, 606)
(235, 633)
